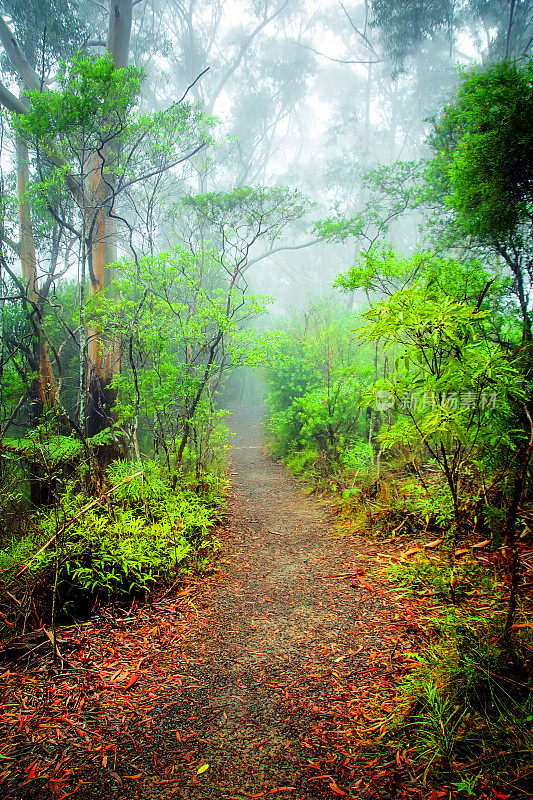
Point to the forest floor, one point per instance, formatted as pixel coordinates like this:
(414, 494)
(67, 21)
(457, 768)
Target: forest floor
(268, 677)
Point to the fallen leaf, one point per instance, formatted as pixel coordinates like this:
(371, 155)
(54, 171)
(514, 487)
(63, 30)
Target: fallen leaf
(334, 788)
(133, 679)
(435, 543)
(365, 584)
(477, 546)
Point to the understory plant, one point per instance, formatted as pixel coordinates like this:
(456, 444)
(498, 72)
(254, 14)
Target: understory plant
(471, 706)
(139, 534)
(316, 374)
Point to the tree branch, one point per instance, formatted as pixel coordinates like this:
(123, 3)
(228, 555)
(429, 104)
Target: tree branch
(279, 249)
(12, 103)
(19, 61)
(337, 60)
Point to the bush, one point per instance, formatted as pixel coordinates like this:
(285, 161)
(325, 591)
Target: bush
(142, 533)
(316, 373)
(472, 705)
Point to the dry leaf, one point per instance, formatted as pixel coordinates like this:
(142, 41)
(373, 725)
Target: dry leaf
(478, 545)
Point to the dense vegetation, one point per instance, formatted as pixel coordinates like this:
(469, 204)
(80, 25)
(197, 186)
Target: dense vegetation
(416, 414)
(134, 228)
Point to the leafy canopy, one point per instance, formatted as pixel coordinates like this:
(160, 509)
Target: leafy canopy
(93, 95)
(483, 147)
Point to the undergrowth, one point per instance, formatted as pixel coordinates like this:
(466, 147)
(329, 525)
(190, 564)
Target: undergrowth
(465, 714)
(470, 707)
(140, 533)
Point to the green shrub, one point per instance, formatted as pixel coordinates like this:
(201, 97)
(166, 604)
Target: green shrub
(141, 534)
(472, 704)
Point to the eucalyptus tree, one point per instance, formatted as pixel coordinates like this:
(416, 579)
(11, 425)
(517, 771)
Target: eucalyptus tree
(500, 28)
(22, 62)
(47, 31)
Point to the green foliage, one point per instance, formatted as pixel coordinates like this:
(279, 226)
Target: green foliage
(249, 207)
(96, 110)
(357, 457)
(472, 707)
(437, 724)
(483, 145)
(94, 100)
(50, 449)
(186, 331)
(229, 223)
(390, 191)
(381, 267)
(405, 25)
(429, 575)
(315, 377)
(145, 533)
(452, 390)
(58, 20)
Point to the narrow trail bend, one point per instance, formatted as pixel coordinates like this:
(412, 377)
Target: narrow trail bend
(283, 649)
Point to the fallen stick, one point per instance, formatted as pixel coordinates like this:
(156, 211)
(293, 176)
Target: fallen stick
(344, 575)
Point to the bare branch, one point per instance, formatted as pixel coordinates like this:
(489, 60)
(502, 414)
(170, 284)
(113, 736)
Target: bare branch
(364, 38)
(12, 103)
(242, 50)
(15, 246)
(337, 60)
(278, 250)
(17, 58)
(189, 87)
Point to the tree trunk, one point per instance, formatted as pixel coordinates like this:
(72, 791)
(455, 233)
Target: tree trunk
(44, 393)
(511, 543)
(104, 351)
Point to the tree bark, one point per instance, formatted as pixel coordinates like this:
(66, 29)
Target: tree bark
(46, 381)
(104, 352)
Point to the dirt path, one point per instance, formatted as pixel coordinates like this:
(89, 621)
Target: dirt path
(259, 680)
(284, 648)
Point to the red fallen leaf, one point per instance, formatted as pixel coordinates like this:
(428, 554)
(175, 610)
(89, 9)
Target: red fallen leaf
(334, 788)
(133, 679)
(260, 794)
(365, 584)
(381, 775)
(503, 796)
(371, 763)
(31, 773)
